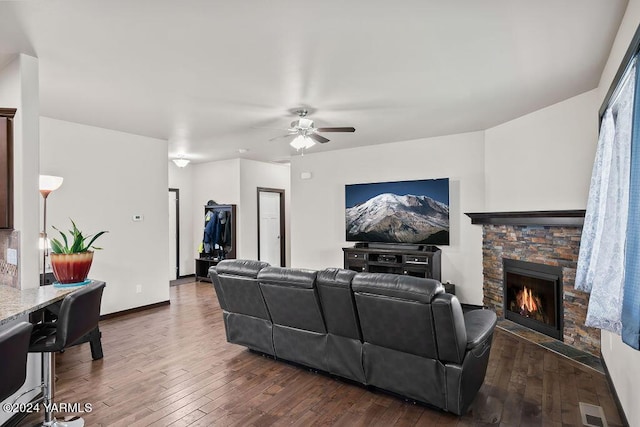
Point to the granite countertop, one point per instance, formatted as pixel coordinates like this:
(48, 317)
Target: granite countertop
(16, 302)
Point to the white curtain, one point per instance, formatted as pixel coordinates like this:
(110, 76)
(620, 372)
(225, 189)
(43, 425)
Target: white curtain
(601, 259)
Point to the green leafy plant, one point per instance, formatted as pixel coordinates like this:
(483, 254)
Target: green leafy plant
(75, 243)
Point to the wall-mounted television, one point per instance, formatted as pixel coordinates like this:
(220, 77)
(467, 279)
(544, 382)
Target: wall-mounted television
(412, 212)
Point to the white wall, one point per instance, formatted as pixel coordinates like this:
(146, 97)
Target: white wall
(19, 88)
(235, 182)
(110, 176)
(318, 204)
(622, 361)
(182, 179)
(543, 161)
(217, 181)
(267, 175)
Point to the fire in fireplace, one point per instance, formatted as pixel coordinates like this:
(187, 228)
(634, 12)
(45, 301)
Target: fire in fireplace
(533, 296)
(528, 304)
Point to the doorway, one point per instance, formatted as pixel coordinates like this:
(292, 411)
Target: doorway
(271, 238)
(174, 233)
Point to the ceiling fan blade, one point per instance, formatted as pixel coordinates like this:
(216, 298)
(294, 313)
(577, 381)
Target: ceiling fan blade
(282, 136)
(318, 138)
(342, 129)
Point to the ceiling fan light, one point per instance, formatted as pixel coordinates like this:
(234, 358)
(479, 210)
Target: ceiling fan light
(181, 162)
(302, 123)
(301, 142)
(305, 123)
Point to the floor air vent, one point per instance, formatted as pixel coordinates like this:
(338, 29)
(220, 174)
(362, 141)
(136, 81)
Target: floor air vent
(592, 415)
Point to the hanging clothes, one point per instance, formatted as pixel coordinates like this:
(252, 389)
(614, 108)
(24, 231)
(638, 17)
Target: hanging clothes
(211, 231)
(225, 229)
(217, 240)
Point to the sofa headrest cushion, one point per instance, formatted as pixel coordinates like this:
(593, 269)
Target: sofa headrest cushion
(294, 277)
(396, 286)
(336, 277)
(240, 267)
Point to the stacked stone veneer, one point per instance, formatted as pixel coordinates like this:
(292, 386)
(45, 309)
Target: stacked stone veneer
(557, 246)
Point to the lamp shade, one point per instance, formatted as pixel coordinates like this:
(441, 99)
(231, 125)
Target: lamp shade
(302, 141)
(49, 183)
(181, 162)
(43, 242)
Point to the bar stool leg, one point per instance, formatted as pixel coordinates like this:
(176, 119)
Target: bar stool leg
(47, 376)
(48, 360)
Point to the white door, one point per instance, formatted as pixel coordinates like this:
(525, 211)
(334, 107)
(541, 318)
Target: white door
(270, 238)
(173, 236)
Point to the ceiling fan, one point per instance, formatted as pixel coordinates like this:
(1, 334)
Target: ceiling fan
(306, 134)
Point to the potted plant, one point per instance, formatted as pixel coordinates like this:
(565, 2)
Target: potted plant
(71, 258)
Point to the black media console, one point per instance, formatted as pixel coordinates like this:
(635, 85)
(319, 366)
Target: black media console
(410, 260)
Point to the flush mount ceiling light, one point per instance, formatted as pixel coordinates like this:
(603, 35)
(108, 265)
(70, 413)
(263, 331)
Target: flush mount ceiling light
(181, 162)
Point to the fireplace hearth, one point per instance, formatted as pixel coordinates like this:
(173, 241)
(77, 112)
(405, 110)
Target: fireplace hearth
(533, 296)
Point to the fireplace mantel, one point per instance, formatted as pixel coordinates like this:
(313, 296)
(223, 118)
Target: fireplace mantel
(525, 218)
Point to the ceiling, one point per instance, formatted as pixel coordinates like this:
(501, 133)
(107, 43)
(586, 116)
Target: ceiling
(213, 77)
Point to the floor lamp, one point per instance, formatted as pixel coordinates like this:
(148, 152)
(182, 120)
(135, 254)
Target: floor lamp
(47, 185)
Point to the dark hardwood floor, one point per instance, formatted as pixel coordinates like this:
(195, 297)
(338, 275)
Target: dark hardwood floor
(172, 366)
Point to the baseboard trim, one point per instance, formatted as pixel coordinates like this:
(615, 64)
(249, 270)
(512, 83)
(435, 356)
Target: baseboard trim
(134, 310)
(616, 399)
(185, 276)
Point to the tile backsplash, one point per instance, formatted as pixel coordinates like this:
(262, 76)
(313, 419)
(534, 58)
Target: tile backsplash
(9, 239)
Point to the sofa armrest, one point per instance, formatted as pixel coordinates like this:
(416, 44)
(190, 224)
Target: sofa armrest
(480, 325)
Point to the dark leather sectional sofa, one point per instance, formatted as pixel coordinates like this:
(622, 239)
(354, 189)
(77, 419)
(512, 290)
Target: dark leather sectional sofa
(398, 333)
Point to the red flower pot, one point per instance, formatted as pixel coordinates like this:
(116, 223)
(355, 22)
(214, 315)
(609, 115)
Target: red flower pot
(71, 268)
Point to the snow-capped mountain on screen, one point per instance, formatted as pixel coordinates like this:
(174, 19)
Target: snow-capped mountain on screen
(399, 219)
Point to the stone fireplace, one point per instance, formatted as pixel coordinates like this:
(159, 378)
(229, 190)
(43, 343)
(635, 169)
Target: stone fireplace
(551, 240)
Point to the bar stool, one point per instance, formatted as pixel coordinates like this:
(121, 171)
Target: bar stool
(14, 343)
(94, 338)
(79, 315)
